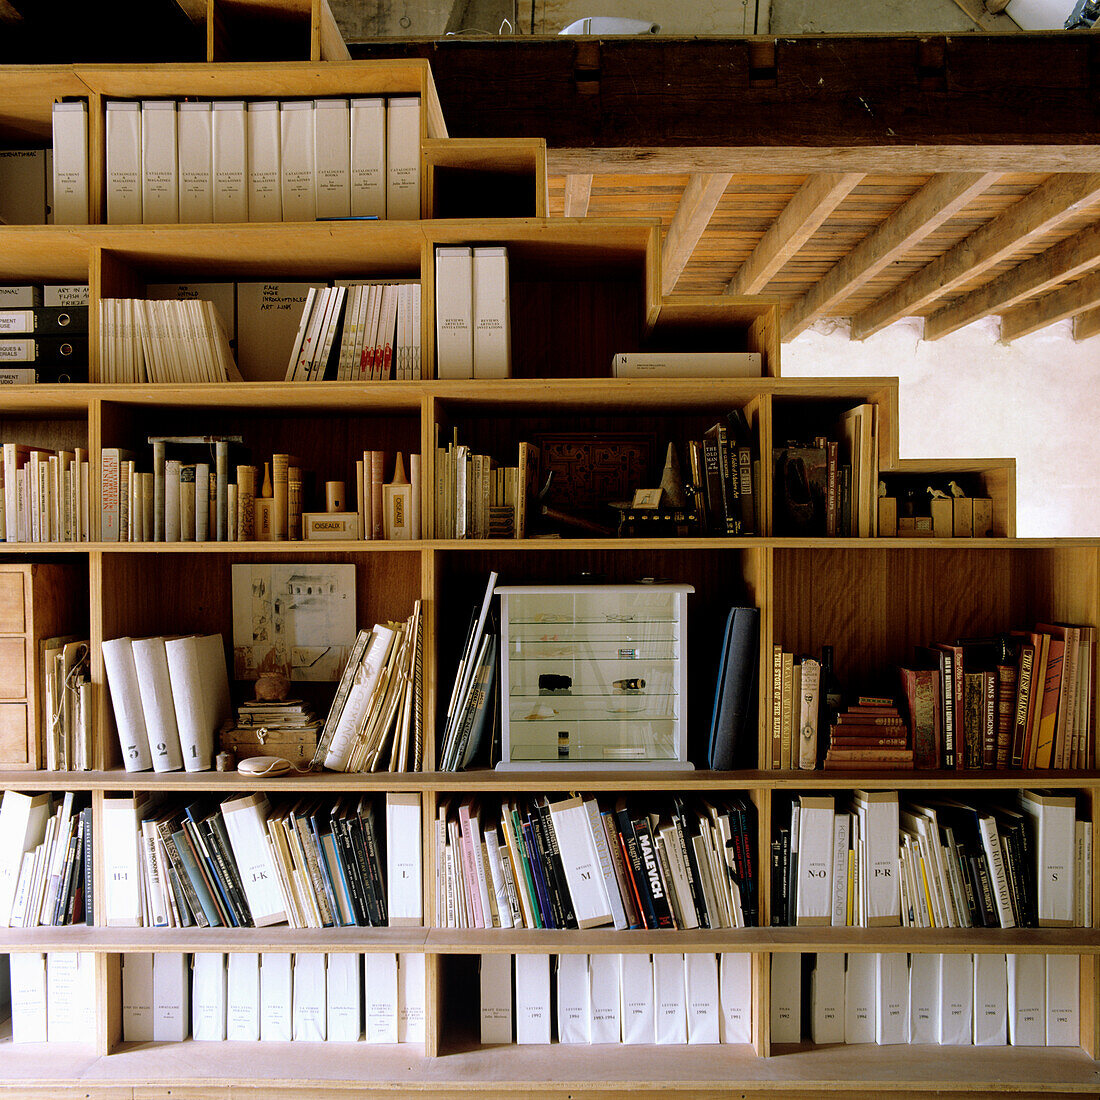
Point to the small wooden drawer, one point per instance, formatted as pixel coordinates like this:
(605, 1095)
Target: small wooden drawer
(14, 748)
(13, 668)
(13, 620)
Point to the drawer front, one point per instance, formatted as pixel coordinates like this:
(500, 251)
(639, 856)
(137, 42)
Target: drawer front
(13, 735)
(13, 619)
(13, 668)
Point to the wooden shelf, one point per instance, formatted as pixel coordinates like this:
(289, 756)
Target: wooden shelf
(584, 289)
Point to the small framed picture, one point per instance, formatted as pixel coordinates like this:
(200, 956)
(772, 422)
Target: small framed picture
(647, 498)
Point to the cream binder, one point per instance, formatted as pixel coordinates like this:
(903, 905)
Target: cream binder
(574, 1000)
(195, 136)
(265, 188)
(380, 996)
(310, 1011)
(276, 986)
(297, 167)
(606, 999)
(242, 998)
(827, 999)
(331, 158)
(343, 986)
(701, 984)
(403, 158)
(159, 162)
(171, 998)
(123, 162)
(532, 998)
(368, 158)
(70, 163)
(229, 161)
(496, 999)
(209, 980)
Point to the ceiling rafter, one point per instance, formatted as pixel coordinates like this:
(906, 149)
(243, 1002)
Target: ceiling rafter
(1066, 301)
(1041, 210)
(701, 197)
(939, 200)
(578, 193)
(799, 220)
(1064, 261)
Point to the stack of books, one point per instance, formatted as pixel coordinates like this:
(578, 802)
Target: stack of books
(827, 484)
(725, 476)
(1021, 699)
(570, 864)
(244, 863)
(379, 333)
(287, 729)
(375, 722)
(932, 863)
(870, 733)
(476, 499)
(170, 697)
(42, 343)
(45, 494)
(45, 855)
(143, 340)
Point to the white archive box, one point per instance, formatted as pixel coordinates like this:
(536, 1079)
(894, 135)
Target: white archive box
(594, 676)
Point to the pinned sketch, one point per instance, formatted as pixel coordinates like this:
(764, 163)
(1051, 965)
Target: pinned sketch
(297, 620)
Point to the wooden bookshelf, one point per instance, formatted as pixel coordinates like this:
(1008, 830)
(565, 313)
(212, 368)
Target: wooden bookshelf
(582, 290)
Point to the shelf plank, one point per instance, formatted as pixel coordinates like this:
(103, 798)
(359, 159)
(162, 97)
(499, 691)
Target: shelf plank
(80, 937)
(491, 781)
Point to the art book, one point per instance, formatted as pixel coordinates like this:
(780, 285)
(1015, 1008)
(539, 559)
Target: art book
(297, 620)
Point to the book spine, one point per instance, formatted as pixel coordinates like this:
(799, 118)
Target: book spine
(246, 503)
(280, 516)
(293, 503)
(377, 462)
(557, 867)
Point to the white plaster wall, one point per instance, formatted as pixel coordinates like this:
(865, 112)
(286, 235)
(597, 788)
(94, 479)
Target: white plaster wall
(970, 396)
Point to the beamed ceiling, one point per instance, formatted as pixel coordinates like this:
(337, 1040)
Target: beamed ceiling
(863, 178)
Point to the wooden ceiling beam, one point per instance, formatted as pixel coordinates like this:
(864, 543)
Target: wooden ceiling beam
(1066, 301)
(940, 199)
(829, 92)
(1086, 324)
(1066, 260)
(799, 220)
(779, 160)
(1041, 210)
(578, 193)
(701, 196)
